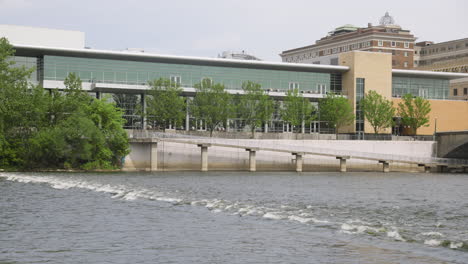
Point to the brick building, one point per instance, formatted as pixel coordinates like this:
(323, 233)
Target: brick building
(387, 37)
(449, 56)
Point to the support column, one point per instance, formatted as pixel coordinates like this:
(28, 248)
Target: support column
(252, 160)
(187, 115)
(385, 165)
(299, 161)
(204, 156)
(143, 108)
(427, 168)
(303, 127)
(154, 155)
(266, 127)
(343, 163)
(98, 95)
(442, 168)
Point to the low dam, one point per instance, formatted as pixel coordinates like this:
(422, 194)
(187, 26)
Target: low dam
(168, 152)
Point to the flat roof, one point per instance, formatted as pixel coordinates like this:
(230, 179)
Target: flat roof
(28, 50)
(429, 74)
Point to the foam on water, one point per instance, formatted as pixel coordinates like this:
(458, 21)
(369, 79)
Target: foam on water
(438, 234)
(433, 242)
(395, 235)
(303, 215)
(274, 216)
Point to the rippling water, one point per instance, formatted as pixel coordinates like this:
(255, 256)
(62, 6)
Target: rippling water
(233, 217)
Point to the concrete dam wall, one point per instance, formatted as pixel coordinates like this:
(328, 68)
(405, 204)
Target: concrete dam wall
(180, 156)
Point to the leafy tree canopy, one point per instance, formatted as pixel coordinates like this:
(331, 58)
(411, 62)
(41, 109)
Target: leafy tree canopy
(296, 109)
(212, 104)
(54, 129)
(336, 110)
(255, 106)
(377, 110)
(414, 112)
(165, 106)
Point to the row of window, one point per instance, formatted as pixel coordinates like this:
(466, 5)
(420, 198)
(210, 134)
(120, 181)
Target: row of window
(426, 51)
(345, 48)
(406, 44)
(455, 91)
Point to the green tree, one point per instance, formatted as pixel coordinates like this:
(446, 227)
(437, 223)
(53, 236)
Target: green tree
(414, 112)
(255, 106)
(296, 109)
(165, 106)
(42, 129)
(377, 110)
(336, 110)
(212, 104)
(16, 107)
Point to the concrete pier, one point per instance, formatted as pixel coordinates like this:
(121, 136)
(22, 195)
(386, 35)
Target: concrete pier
(204, 156)
(154, 156)
(442, 168)
(385, 165)
(343, 163)
(299, 161)
(427, 168)
(252, 160)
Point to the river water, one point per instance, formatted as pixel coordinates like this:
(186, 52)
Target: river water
(233, 217)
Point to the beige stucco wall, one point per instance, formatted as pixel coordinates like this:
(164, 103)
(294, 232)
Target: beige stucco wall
(452, 115)
(376, 69)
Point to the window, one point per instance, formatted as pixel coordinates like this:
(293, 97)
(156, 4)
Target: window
(465, 91)
(405, 64)
(405, 54)
(360, 93)
(406, 44)
(321, 89)
(455, 92)
(380, 43)
(423, 92)
(293, 85)
(393, 44)
(393, 52)
(206, 81)
(175, 79)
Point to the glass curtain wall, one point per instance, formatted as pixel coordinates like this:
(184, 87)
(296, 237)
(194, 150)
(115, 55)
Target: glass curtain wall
(423, 87)
(133, 73)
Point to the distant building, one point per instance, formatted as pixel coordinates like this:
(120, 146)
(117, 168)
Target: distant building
(107, 73)
(43, 36)
(387, 37)
(449, 56)
(237, 56)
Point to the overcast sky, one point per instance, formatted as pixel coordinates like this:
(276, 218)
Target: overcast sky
(207, 27)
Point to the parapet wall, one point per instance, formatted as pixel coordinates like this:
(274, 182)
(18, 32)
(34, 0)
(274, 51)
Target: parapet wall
(179, 156)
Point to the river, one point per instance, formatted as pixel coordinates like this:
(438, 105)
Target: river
(233, 217)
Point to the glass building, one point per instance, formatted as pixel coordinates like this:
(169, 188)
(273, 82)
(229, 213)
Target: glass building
(123, 78)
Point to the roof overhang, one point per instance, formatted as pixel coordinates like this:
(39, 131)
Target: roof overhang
(37, 51)
(429, 74)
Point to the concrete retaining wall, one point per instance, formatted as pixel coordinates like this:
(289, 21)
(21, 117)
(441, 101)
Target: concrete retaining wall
(177, 156)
